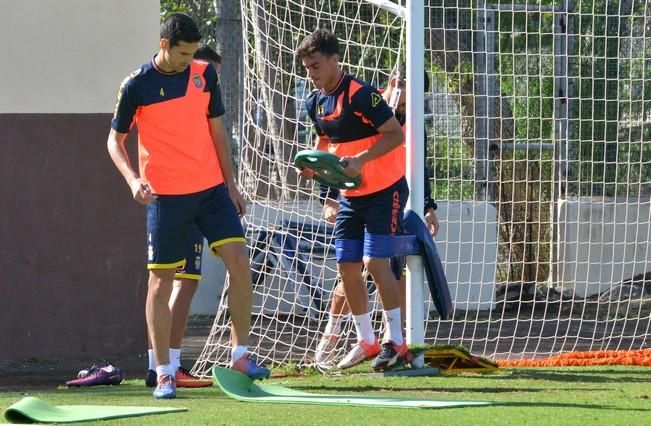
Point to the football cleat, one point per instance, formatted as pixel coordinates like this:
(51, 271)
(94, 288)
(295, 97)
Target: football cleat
(248, 366)
(359, 353)
(186, 380)
(389, 355)
(151, 378)
(165, 388)
(93, 376)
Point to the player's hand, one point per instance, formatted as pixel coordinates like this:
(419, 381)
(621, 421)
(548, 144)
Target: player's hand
(141, 191)
(354, 166)
(238, 200)
(306, 173)
(432, 222)
(330, 209)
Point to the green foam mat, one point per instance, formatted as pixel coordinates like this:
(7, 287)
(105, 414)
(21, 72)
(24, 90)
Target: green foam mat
(34, 410)
(240, 387)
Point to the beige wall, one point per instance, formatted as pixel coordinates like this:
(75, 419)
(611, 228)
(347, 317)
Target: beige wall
(69, 56)
(604, 241)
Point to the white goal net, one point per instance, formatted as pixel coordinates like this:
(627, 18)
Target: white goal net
(539, 142)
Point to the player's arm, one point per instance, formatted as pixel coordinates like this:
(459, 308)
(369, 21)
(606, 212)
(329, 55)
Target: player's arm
(123, 116)
(219, 138)
(327, 194)
(139, 188)
(321, 140)
(369, 104)
(392, 137)
(223, 149)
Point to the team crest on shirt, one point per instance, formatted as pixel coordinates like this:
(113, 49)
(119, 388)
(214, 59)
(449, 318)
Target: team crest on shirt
(375, 99)
(197, 81)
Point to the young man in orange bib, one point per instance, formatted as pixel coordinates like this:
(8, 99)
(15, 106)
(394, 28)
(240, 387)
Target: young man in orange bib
(185, 179)
(353, 121)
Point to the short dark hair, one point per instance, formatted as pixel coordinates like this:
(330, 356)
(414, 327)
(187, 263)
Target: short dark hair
(320, 41)
(179, 27)
(206, 53)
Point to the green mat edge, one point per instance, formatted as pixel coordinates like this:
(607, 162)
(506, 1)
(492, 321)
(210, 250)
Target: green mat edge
(35, 410)
(224, 377)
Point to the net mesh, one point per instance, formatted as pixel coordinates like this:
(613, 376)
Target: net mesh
(538, 135)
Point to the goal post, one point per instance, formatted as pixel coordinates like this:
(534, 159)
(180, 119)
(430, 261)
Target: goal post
(415, 294)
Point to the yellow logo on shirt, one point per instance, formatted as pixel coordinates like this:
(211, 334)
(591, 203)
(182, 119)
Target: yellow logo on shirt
(162, 92)
(375, 99)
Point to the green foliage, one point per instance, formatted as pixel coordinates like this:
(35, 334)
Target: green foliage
(453, 169)
(608, 121)
(202, 11)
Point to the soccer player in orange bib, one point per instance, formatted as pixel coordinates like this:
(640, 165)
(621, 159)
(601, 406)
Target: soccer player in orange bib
(185, 178)
(339, 308)
(354, 122)
(186, 281)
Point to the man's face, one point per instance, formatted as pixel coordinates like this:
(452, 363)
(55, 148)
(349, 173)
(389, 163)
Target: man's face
(322, 69)
(180, 56)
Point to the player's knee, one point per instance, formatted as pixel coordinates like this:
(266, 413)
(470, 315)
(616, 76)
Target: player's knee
(348, 271)
(239, 266)
(375, 266)
(339, 291)
(160, 284)
(338, 298)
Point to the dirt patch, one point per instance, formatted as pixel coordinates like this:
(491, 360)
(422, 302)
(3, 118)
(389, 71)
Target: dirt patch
(35, 374)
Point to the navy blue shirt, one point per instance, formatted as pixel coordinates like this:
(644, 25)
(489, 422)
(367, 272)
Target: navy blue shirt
(148, 85)
(352, 111)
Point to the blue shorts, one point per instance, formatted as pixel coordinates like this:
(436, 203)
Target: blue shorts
(193, 251)
(365, 222)
(170, 219)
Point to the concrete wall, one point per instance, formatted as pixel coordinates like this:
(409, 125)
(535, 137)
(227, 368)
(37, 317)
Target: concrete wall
(603, 242)
(69, 56)
(72, 241)
(467, 244)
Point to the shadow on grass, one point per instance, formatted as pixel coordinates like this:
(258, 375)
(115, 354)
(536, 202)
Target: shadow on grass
(570, 405)
(588, 376)
(437, 389)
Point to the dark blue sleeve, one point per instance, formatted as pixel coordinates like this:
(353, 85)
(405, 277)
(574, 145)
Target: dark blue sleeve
(327, 192)
(213, 85)
(427, 189)
(125, 107)
(369, 102)
(310, 107)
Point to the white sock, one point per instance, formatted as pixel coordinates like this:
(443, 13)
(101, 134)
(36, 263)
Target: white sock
(152, 359)
(333, 327)
(393, 324)
(175, 357)
(165, 369)
(364, 327)
(238, 352)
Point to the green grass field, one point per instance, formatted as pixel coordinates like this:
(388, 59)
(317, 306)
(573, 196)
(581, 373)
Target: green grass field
(553, 396)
